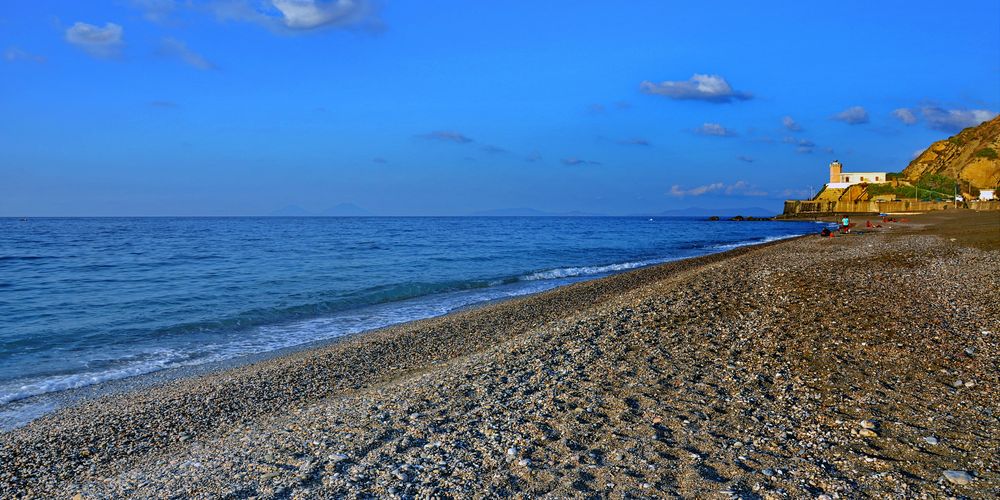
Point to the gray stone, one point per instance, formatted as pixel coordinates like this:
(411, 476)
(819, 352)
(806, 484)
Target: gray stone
(931, 440)
(958, 476)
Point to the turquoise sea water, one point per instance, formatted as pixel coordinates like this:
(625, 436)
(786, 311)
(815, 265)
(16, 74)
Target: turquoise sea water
(84, 301)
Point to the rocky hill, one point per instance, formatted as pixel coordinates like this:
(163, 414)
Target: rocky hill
(972, 155)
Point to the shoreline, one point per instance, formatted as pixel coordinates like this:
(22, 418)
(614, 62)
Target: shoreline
(126, 437)
(50, 402)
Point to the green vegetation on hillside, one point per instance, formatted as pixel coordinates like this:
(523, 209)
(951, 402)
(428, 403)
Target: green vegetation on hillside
(937, 182)
(902, 192)
(987, 153)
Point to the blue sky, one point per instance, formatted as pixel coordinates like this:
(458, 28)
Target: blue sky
(242, 107)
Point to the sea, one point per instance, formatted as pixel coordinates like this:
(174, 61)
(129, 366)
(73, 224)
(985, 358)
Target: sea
(88, 301)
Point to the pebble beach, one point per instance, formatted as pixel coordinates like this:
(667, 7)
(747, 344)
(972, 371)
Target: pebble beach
(860, 366)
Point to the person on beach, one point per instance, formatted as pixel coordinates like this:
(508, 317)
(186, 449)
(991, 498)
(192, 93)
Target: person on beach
(845, 224)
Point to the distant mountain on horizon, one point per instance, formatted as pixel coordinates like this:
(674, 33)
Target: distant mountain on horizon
(339, 210)
(708, 212)
(345, 210)
(352, 210)
(290, 211)
(530, 212)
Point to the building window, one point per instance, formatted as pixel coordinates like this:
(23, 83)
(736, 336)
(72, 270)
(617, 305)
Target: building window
(876, 178)
(847, 179)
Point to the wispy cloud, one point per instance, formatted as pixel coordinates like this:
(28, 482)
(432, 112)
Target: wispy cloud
(714, 129)
(905, 115)
(953, 120)
(163, 104)
(577, 161)
(854, 115)
(804, 146)
(171, 47)
(156, 10)
(311, 14)
(741, 188)
(789, 123)
(298, 15)
(295, 15)
(447, 135)
(745, 158)
(709, 88)
(533, 156)
(379, 159)
(14, 54)
(489, 148)
(636, 141)
(797, 193)
(104, 43)
(597, 108)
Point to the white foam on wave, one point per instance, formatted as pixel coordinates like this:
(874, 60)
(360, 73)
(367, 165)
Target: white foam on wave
(262, 339)
(269, 338)
(756, 241)
(572, 272)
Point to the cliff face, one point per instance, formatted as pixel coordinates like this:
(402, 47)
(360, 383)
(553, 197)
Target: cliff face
(971, 156)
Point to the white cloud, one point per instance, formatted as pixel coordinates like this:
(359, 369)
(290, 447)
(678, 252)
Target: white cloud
(854, 115)
(790, 124)
(953, 120)
(742, 188)
(905, 115)
(711, 88)
(299, 15)
(177, 49)
(105, 42)
(714, 129)
(309, 14)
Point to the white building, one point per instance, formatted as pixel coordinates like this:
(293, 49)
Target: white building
(841, 179)
(987, 194)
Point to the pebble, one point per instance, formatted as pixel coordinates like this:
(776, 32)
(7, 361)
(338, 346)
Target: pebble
(338, 457)
(958, 476)
(868, 424)
(931, 440)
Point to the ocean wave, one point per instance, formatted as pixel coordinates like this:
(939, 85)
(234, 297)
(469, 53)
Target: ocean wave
(755, 241)
(263, 339)
(574, 272)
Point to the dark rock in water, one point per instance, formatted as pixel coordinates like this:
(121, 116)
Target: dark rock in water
(738, 217)
(714, 217)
